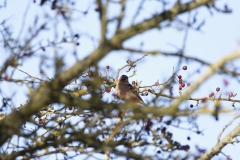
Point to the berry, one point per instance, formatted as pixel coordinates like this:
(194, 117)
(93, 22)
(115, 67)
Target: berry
(180, 88)
(191, 105)
(204, 99)
(183, 85)
(186, 148)
(76, 35)
(158, 151)
(179, 77)
(184, 67)
(108, 90)
(64, 40)
(97, 9)
(211, 94)
(217, 89)
(168, 122)
(226, 82)
(41, 121)
(6, 77)
(160, 119)
(163, 130)
(114, 95)
(107, 66)
(148, 125)
(119, 114)
(188, 138)
(90, 73)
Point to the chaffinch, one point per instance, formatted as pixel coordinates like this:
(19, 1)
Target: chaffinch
(125, 91)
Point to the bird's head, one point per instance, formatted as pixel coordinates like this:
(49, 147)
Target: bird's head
(123, 78)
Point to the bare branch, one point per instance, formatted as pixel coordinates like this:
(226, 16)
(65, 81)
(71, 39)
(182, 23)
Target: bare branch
(218, 147)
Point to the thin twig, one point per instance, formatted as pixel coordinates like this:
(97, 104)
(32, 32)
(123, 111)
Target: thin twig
(229, 123)
(29, 74)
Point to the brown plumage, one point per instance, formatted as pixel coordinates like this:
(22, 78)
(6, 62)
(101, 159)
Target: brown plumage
(124, 91)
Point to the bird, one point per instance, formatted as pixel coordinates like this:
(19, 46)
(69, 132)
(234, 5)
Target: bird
(124, 91)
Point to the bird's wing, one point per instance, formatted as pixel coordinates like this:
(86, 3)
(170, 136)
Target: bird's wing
(135, 92)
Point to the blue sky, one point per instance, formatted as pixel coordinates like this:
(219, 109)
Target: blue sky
(219, 36)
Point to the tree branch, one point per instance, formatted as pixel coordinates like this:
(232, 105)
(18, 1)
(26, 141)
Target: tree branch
(218, 147)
